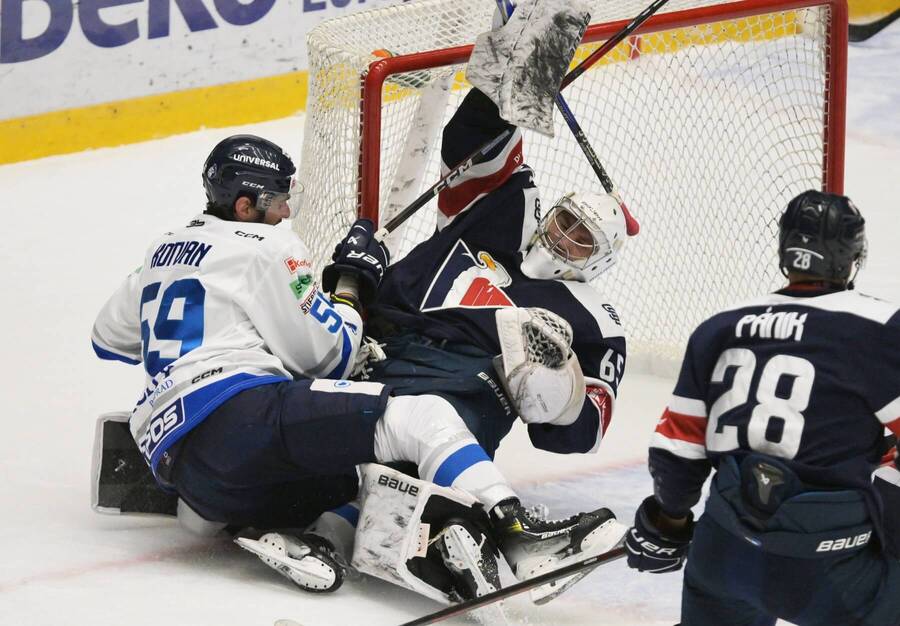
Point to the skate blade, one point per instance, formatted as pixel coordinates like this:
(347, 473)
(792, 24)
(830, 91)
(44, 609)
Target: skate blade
(308, 573)
(606, 537)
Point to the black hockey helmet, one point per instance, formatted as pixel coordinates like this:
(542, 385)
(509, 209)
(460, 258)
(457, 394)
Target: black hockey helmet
(245, 165)
(822, 235)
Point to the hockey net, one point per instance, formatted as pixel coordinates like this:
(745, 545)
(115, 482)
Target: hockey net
(709, 120)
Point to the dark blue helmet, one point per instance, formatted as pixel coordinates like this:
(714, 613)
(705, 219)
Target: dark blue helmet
(244, 165)
(821, 235)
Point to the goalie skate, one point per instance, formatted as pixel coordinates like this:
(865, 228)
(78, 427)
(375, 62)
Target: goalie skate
(307, 560)
(533, 545)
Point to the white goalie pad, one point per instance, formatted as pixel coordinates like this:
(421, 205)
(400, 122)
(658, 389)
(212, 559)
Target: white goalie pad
(520, 66)
(393, 541)
(541, 374)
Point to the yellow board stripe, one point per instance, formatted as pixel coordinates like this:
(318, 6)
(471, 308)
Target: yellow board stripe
(152, 117)
(246, 102)
(871, 9)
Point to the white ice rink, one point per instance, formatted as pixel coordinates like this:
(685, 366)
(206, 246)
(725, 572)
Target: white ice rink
(75, 225)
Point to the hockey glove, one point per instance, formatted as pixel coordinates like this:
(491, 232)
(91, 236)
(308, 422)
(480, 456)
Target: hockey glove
(649, 550)
(360, 256)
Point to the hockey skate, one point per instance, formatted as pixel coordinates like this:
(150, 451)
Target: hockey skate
(470, 556)
(307, 560)
(533, 545)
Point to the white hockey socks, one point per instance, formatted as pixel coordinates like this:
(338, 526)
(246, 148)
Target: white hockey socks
(427, 430)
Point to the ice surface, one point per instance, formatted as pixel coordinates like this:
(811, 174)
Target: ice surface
(75, 225)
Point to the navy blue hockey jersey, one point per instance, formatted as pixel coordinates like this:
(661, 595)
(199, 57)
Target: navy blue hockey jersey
(450, 286)
(811, 377)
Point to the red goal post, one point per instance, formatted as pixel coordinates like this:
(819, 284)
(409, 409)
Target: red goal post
(712, 113)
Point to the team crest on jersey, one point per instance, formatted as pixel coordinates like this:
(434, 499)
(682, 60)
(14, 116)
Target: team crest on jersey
(468, 280)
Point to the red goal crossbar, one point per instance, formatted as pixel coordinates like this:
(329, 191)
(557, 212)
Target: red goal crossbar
(835, 97)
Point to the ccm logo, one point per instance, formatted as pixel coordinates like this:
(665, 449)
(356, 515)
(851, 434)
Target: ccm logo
(399, 485)
(833, 545)
(206, 374)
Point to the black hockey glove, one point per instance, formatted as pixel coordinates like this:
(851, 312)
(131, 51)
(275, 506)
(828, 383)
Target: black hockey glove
(651, 551)
(358, 255)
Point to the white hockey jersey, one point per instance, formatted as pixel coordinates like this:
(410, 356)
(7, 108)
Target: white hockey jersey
(216, 308)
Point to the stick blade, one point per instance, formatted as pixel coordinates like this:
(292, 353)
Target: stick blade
(521, 65)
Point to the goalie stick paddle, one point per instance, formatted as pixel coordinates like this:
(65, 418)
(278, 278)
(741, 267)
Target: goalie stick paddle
(861, 32)
(632, 226)
(517, 588)
(479, 155)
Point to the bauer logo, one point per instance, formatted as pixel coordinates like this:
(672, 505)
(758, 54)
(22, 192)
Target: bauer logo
(165, 422)
(399, 485)
(835, 545)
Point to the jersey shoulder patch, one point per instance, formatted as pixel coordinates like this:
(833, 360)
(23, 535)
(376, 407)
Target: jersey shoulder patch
(603, 312)
(849, 302)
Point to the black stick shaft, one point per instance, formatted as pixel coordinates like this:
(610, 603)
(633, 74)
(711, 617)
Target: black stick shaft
(520, 587)
(611, 43)
(473, 159)
(861, 32)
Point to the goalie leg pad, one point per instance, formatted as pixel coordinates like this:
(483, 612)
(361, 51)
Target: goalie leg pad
(401, 521)
(121, 481)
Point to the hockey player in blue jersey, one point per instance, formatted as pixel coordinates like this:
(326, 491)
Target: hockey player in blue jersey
(499, 266)
(494, 312)
(228, 321)
(788, 398)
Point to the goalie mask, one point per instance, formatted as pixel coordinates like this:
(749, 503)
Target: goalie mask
(578, 239)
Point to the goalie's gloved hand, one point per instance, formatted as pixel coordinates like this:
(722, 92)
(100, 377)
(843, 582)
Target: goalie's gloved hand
(499, 19)
(360, 256)
(652, 550)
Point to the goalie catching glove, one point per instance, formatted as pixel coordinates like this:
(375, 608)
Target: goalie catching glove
(539, 371)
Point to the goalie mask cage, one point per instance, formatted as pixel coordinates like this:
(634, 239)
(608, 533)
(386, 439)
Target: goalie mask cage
(709, 119)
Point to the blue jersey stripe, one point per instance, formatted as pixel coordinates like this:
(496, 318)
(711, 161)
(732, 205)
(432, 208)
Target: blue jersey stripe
(112, 356)
(458, 462)
(346, 349)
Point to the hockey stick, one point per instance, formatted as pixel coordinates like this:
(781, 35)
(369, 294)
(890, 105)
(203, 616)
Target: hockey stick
(612, 42)
(861, 32)
(479, 155)
(517, 588)
(632, 227)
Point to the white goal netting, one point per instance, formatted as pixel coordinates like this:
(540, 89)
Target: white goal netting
(709, 124)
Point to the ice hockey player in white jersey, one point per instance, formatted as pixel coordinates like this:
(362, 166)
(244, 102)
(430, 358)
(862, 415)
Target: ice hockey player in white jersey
(228, 321)
(788, 398)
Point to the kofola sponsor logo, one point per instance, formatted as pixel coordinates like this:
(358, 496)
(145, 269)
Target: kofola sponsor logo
(399, 485)
(35, 32)
(293, 264)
